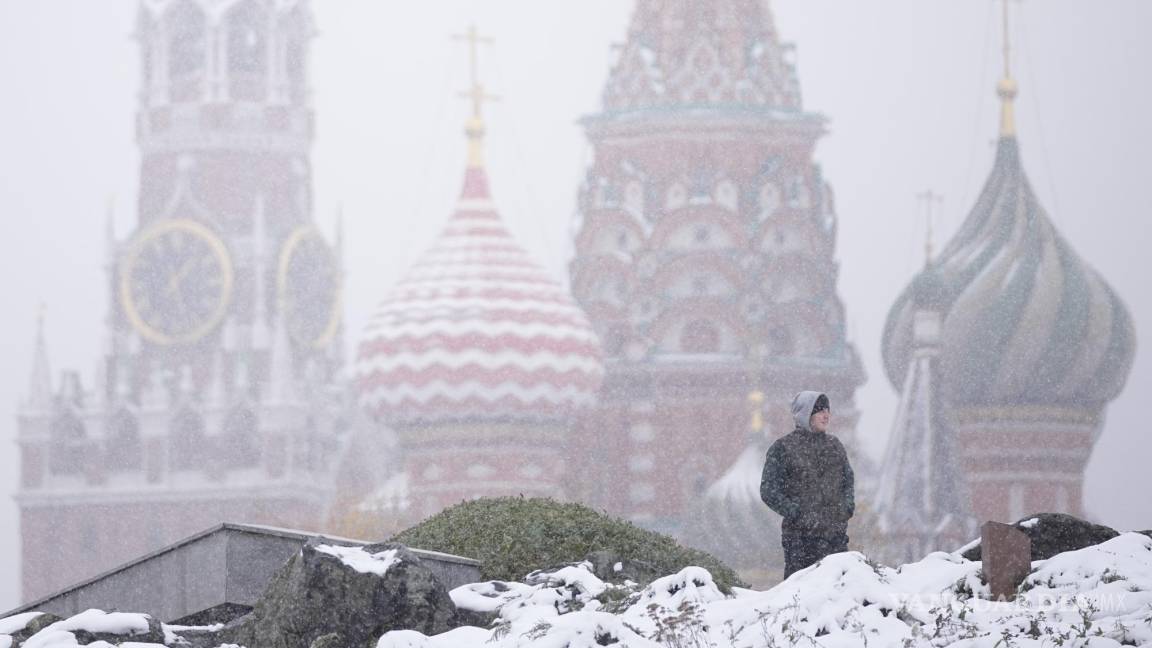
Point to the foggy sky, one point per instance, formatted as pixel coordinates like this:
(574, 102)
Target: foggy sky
(907, 85)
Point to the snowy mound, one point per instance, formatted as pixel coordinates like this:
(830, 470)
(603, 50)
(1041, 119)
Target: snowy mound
(94, 628)
(1099, 596)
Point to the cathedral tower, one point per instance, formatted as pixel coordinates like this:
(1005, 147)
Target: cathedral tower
(705, 256)
(477, 359)
(215, 397)
(1032, 344)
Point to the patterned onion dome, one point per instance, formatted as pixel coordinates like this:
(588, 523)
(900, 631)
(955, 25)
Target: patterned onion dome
(477, 331)
(1026, 320)
(731, 522)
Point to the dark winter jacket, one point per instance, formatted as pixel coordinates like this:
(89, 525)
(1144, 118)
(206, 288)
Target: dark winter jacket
(807, 478)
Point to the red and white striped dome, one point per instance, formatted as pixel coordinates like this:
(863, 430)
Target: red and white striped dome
(477, 331)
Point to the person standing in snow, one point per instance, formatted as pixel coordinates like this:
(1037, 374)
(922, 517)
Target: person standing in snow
(809, 482)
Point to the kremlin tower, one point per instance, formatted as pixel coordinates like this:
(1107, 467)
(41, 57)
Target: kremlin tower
(1030, 344)
(705, 259)
(216, 397)
(477, 360)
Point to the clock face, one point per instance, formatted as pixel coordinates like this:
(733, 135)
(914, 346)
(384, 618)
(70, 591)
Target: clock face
(309, 286)
(176, 282)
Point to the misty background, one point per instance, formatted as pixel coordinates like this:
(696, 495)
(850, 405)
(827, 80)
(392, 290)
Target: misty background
(907, 84)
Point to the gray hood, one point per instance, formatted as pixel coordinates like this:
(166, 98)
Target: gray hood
(802, 405)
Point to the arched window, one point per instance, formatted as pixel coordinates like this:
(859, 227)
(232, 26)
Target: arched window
(248, 51)
(700, 336)
(780, 342)
(122, 446)
(186, 441)
(67, 435)
(702, 234)
(187, 56)
(241, 439)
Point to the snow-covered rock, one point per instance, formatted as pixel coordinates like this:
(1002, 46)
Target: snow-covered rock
(94, 628)
(360, 560)
(346, 596)
(17, 622)
(1053, 533)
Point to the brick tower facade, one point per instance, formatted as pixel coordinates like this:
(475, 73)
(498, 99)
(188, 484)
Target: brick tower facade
(215, 397)
(704, 258)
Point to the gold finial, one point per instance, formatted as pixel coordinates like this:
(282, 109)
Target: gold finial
(474, 128)
(756, 403)
(928, 198)
(40, 322)
(756, 396)
(1007, 88)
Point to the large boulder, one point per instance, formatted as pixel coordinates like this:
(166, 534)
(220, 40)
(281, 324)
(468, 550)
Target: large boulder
(346, 597)
(1054, 533)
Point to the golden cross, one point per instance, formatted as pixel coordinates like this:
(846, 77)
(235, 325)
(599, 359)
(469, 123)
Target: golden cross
(1006, 88)
(476, 92)
(1007, 41)
(928, 198)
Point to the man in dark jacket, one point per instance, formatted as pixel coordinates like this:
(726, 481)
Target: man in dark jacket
(809, 482)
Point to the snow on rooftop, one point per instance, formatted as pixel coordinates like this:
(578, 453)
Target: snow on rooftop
(740, 484)
(360, 560)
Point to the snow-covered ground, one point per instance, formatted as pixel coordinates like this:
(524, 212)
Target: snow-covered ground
(1096, 597)
(1099, 596)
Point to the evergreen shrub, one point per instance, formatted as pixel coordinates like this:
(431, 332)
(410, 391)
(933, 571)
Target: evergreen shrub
(513, 536)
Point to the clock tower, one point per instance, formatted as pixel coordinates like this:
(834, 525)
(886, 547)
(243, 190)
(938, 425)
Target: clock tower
(216, 395)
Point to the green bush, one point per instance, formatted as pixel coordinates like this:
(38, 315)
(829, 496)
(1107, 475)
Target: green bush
(513, 536)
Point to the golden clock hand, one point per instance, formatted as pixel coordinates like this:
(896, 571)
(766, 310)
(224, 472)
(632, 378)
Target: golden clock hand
(178, 278)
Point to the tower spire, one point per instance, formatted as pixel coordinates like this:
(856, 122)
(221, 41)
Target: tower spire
(928, 198)
(1007, 88)
(40, 384)
(474, 128)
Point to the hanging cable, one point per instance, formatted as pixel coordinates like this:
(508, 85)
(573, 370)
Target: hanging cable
(1034, 88)
(979, 112)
